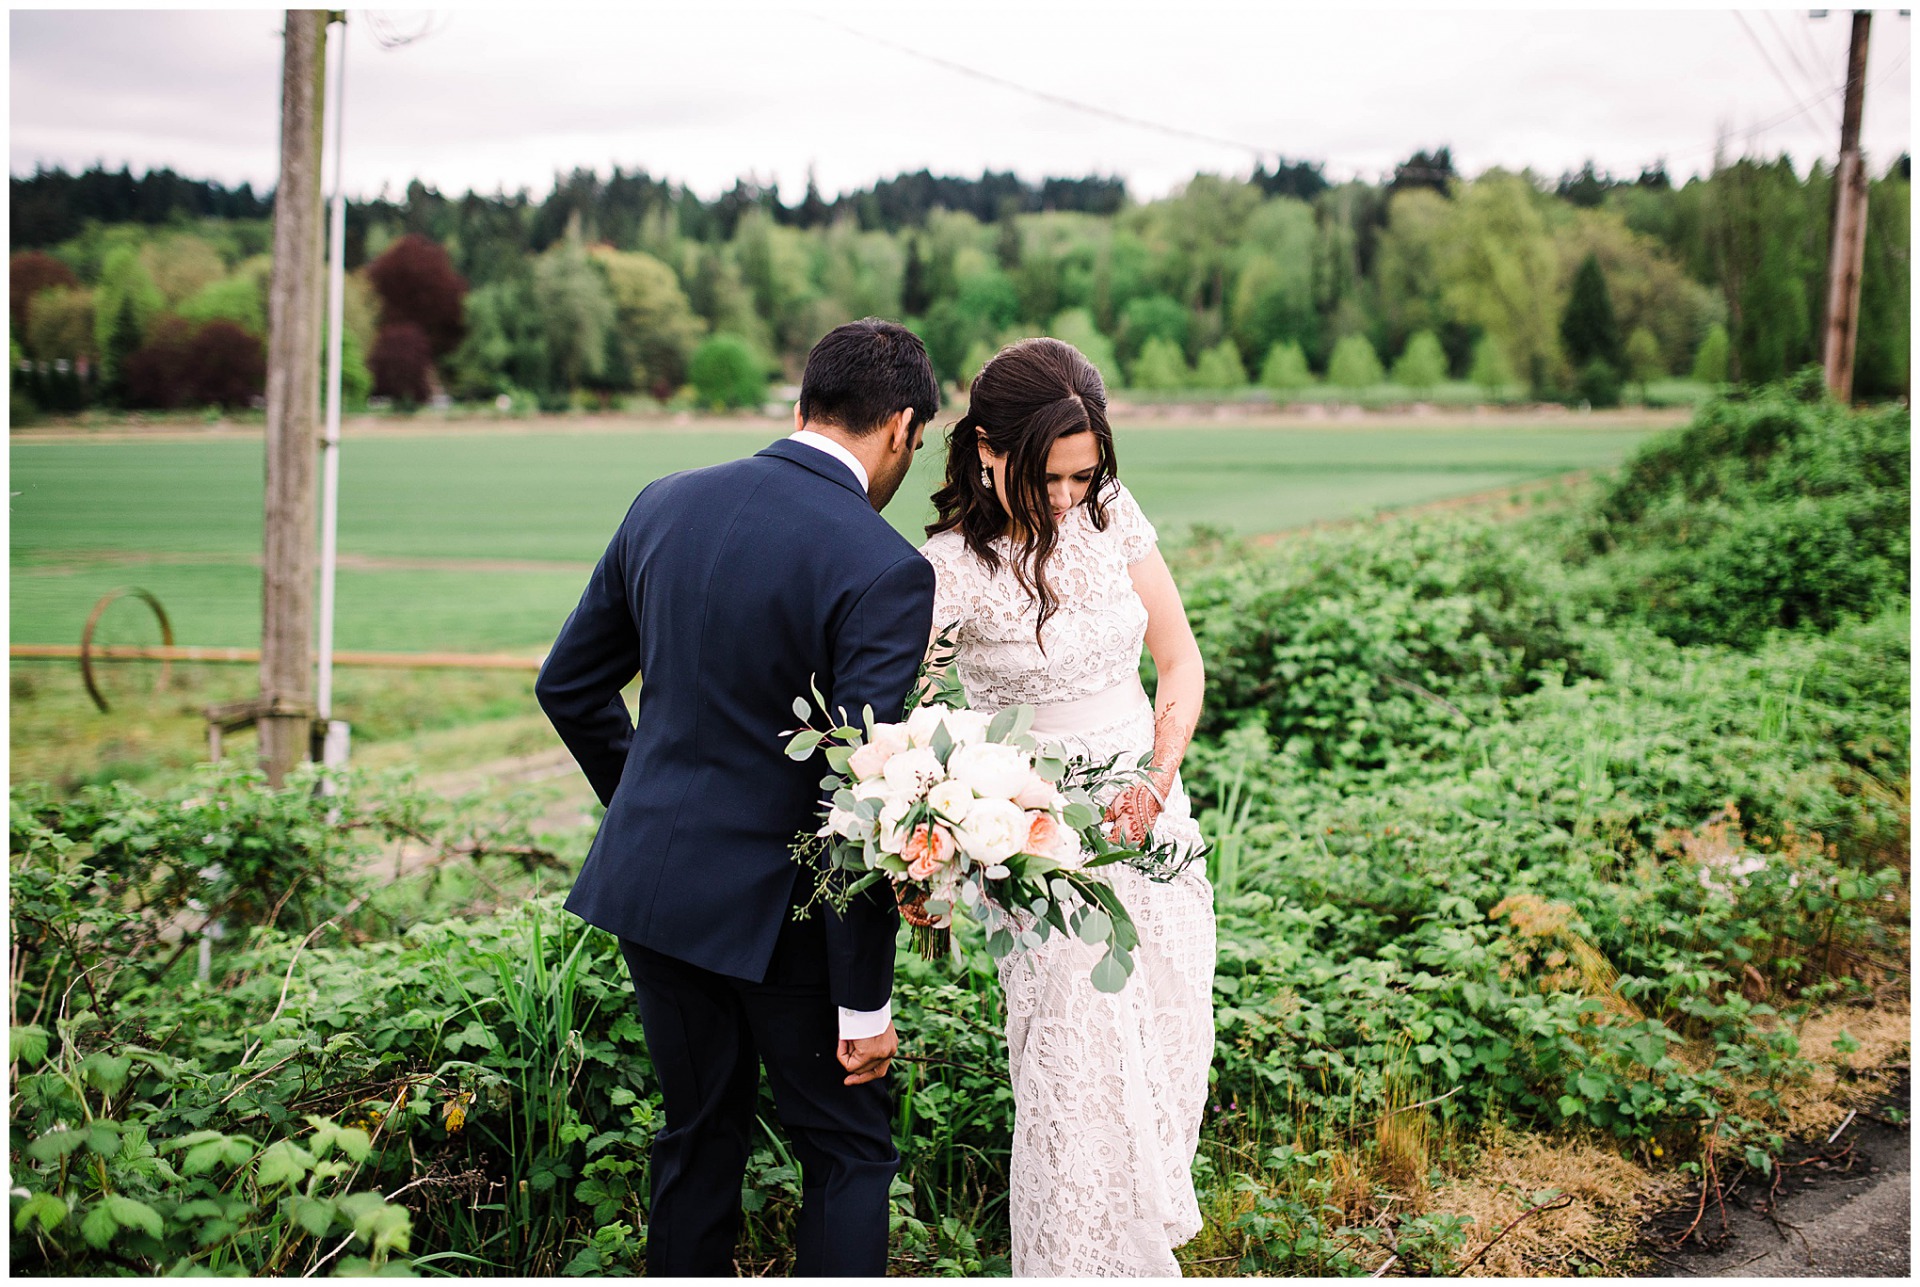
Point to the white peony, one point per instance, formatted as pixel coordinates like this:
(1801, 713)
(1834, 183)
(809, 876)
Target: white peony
(993, 769)
(994, 830)
(911, 772)
(966, 725)
(953, 799)
(844, 823)
(893, 835)
(921, 723)
(1038, 793)
(1068, 850)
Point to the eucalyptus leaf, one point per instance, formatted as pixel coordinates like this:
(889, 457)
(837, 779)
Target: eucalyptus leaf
(1096, 926)
(1109, 975)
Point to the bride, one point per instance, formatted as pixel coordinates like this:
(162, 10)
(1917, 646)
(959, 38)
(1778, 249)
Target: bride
(1050, 575)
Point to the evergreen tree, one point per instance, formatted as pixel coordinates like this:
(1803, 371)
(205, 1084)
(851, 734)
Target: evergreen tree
(1220, 368)
(1491, 369)
(915, 298)
(1423, 364)
(1285, 368)
(1710, 363)
(123, 341)
(1588, 327)
(1354, 365)
(1160, 366)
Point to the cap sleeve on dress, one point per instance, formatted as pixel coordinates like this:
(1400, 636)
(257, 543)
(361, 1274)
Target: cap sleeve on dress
(950, 598)
(1127, 521)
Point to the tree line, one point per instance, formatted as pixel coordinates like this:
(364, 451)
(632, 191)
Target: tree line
(151, 292)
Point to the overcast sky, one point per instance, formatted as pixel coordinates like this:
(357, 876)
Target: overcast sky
(701, 91)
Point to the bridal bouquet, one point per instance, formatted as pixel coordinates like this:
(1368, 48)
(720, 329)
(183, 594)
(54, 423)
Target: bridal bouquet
(962, 812)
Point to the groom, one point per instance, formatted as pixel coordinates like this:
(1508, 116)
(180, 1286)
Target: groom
(729, 590)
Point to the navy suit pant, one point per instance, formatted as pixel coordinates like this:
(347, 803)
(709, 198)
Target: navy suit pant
(707, 1035)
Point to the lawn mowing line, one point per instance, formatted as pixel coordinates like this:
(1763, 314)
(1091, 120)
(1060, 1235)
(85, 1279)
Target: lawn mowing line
(85, 560)
(1490, 499)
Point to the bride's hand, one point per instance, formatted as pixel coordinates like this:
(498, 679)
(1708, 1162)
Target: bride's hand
(1132, 815)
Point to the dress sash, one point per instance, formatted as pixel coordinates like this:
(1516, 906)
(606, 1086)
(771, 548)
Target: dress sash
(1099, 710)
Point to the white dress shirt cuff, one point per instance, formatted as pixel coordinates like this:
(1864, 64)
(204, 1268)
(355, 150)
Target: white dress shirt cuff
(856, 1024)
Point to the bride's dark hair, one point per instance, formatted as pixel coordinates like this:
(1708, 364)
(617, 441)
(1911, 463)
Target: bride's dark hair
(1028, 397)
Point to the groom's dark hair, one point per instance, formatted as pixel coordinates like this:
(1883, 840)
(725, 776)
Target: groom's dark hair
(862, 374)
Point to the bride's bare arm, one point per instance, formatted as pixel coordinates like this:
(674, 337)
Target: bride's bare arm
(1177, 696)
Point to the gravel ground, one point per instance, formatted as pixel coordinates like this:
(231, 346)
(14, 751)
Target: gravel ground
(1848, 1218)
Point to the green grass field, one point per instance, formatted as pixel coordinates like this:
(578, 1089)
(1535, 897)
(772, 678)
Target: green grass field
(481, 540)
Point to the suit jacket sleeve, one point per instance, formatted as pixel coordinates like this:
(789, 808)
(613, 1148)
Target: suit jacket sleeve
(597, 653)
(875, 658)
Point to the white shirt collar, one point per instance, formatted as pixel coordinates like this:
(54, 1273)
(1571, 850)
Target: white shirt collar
(820, 442)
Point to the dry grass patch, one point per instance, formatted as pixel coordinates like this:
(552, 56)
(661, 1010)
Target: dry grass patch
(1847, 1079)
(1511, 1175)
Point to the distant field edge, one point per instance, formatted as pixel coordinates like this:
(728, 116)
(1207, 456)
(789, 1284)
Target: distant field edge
(1170, 415)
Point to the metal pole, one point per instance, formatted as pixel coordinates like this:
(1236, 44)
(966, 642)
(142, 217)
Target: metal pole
(330, 440)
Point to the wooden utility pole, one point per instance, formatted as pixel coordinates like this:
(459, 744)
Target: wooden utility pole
(1849, 226)
(293, 407)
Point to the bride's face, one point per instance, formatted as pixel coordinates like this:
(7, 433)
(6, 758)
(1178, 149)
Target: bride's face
(1070, 467)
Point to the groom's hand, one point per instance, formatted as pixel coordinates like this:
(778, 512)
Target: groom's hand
(866, 1058)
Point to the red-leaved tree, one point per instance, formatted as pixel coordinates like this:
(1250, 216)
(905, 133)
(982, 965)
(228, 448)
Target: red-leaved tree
(228, 365)
(158, 375)
(182, 365)
(418, 286)
(401, 362)
(29, 273)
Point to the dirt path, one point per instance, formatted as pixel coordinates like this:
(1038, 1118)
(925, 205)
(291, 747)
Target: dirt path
(1850, 1217)
(567, 807)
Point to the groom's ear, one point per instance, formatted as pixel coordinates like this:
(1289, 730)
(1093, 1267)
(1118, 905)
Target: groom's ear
(900, 431)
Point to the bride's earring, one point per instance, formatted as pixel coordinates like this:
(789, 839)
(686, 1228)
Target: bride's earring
(986, 478)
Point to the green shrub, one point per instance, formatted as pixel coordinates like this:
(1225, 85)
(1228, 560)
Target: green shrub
(1599, 384)
(1783, 511)
(1423, 364)
(727, 374)
(1354, 365)
(1161, 366)
(1285, 368)
(1491, 369)
(1220, 368)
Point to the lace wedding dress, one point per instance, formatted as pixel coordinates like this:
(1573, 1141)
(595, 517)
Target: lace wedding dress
(1108, 1088)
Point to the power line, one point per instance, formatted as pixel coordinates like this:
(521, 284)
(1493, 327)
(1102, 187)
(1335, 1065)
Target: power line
(1784, 117)
(390, 35)
(1045, 96)
(1812, 78)
(1772, 66)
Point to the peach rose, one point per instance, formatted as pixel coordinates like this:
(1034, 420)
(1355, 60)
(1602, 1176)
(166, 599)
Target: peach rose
(927, 850)
(1042, 836)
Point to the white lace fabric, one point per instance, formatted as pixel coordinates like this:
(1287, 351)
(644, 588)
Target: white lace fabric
(1109, 1088)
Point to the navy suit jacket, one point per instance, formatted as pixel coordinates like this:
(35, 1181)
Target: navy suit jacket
(728, 589)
